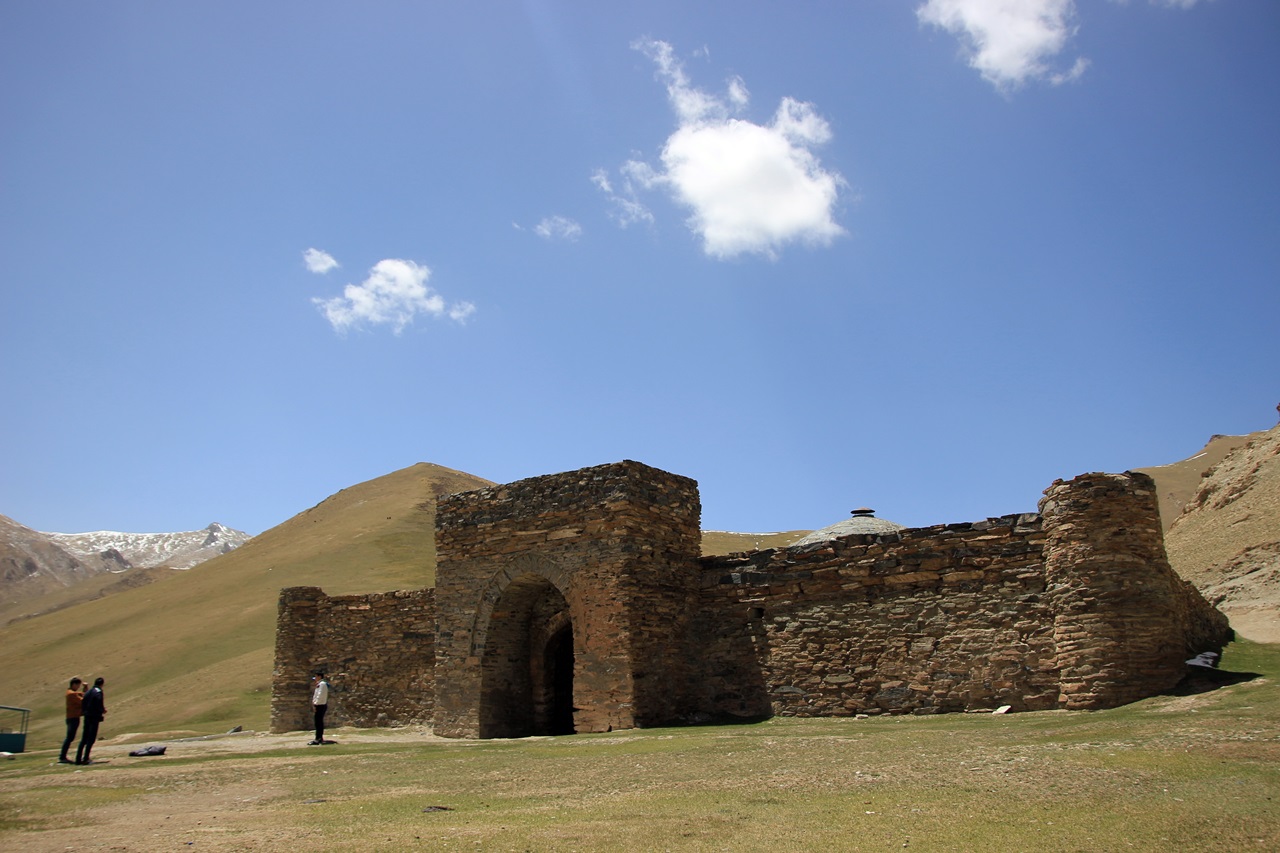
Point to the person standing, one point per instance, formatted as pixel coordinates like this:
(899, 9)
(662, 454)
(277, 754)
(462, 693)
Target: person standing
(75, 695)
(92, 708)
(319, 701)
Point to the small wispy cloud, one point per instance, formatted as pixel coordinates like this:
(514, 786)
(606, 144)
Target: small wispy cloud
(318, 261)
(459, 312)
(558, 228)
(1010, 42)
(751, 188)
(394, 294)
(627, 209)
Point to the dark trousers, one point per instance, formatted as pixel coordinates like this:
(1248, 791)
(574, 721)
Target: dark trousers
(73, 726)
(320, 709)
(86, 740)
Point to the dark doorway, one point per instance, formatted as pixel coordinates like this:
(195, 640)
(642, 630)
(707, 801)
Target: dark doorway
(527, 667)
(559, 681)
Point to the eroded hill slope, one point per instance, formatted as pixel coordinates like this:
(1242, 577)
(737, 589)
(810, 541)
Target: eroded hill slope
(1227, 539)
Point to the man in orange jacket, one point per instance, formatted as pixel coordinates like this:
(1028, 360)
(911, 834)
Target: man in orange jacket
(75, 695)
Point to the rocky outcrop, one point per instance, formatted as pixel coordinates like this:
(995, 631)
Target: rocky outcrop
(1227, 539)
(144, 550)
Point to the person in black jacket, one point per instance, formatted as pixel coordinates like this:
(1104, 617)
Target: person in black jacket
(92, 710)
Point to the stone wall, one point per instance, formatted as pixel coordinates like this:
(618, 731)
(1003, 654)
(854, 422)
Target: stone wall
(578, 602)
(1124, 622)
(609, 554)
(945, 618)
(1075, 608)
(378, 652)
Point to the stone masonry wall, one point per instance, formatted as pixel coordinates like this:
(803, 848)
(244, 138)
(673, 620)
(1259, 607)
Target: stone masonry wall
(945, 618)
(295, 642)
(1124, 622)
(619, 544)
(1077, 608)
(1073, 607)
(377, 650)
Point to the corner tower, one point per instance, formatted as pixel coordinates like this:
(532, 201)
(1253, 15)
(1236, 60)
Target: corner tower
(1124, 622)
(564, 603)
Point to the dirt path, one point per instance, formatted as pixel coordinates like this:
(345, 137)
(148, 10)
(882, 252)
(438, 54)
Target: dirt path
(231, 798)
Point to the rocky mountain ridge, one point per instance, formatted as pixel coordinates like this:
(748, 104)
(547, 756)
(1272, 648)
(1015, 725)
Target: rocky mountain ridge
(144, 550)
(31, 563)
(35, 564)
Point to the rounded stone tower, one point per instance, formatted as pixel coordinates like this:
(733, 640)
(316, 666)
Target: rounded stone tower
(1118, 605)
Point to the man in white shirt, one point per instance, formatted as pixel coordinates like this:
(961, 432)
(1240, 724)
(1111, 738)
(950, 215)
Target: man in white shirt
(320, 701)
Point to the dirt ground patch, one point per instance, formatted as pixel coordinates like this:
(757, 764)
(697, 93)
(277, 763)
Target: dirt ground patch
(209, 792)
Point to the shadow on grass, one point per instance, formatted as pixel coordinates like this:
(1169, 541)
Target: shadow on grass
(1203, 679)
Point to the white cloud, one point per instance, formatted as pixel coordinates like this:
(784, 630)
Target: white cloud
(318, 261)
(558, 227)
(1009, 42)
(627, 208)
(459, 312)
(751, 188)
(394, 294)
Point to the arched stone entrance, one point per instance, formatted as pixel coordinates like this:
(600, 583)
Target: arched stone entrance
(528, 662)
(564, 602)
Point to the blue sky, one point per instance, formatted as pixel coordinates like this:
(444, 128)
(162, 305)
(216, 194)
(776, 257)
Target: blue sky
(921, 256)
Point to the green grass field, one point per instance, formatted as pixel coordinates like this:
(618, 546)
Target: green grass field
(1194, 772)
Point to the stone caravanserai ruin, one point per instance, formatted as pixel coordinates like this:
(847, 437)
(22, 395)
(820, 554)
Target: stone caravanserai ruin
(579, 602)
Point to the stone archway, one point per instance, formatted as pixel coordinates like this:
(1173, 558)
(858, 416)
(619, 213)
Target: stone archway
(615, 547)
(551, 668)
(527, 662)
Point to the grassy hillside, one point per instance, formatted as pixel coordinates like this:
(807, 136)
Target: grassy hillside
(89, 589)
(194, 651)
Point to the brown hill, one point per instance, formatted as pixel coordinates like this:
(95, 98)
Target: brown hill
(1178, 482)
(720, 542)
(195, 651)
(33, 565)
(1227, 539)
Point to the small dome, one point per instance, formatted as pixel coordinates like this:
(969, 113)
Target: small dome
(863, 521)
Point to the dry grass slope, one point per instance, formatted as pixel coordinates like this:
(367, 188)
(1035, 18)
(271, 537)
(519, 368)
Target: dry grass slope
(1227, 539)
(719, 542)
(1178, 482)
(195, 650)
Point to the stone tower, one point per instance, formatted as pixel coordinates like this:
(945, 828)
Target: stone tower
(1124, 621)
(563, 603)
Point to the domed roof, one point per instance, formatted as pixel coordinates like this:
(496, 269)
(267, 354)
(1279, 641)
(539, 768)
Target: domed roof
(863, 521)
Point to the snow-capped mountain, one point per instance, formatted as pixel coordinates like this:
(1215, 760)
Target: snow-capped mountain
(30, 563)
(143, 550)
